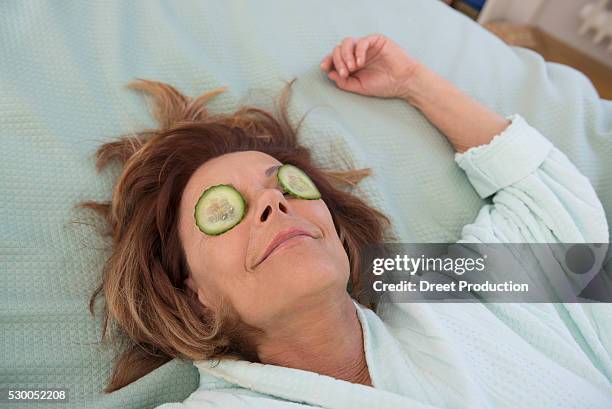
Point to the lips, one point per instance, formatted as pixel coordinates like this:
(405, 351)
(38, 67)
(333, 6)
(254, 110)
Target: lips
(280, 238)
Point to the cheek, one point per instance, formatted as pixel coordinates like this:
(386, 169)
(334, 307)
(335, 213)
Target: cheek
(335, 250)
(216, 262)
(322, 214)
(220, 264)
(322, 218)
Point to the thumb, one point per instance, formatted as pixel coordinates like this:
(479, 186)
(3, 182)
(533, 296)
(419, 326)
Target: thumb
(349, 83)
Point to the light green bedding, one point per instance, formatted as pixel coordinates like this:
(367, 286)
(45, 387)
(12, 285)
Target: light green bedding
(62, 69)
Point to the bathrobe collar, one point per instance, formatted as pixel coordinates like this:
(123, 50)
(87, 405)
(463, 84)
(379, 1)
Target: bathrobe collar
(395, 382)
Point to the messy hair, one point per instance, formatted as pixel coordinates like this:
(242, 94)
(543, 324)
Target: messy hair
(147, 306)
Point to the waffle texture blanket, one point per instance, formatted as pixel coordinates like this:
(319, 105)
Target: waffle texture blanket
(63, 66)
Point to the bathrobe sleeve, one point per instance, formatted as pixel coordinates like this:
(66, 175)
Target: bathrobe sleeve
(538, 195)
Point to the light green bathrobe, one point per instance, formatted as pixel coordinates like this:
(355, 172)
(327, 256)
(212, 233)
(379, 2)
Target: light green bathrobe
(467, 355)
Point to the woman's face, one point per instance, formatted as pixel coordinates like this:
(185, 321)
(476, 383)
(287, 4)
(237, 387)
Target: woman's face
(304, 270)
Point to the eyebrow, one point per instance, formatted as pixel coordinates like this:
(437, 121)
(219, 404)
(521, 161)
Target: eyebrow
(271, 169)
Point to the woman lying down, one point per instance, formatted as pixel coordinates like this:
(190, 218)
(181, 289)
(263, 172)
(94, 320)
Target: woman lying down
(232, 250)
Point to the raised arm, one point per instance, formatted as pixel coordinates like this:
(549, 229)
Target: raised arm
(463, 120)
(377, 66)
(539, 195)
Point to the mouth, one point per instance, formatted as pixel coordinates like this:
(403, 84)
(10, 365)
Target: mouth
(283, 237)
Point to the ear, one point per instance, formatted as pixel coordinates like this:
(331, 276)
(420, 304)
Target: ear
(191, 284)
(193, 287)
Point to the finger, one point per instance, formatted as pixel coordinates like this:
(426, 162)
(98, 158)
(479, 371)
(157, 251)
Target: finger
(338, 63)
(326, 63)
(347, 84)
(346, 49)
(361, 50)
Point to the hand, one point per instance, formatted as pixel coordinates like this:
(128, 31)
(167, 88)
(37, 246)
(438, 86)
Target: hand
(373, 65)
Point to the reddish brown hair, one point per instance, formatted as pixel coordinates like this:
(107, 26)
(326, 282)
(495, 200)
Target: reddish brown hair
(146, 303)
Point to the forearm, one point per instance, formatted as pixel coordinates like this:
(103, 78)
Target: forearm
(463, 120)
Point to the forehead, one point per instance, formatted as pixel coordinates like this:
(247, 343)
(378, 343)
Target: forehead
(242, 169)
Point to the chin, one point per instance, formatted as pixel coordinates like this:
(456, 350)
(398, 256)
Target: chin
(292, 283)
(309, 276)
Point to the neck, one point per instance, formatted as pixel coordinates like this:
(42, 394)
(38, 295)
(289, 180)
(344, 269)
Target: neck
(326, 339)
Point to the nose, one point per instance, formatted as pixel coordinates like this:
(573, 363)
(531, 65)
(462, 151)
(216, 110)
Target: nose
(271, 203)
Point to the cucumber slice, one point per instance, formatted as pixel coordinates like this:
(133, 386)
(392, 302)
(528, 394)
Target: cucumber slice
(297, 183)
(220, 208)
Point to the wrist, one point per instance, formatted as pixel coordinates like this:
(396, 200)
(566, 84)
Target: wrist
(414, 83)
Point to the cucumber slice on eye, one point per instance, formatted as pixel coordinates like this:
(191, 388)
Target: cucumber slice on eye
(297, 183)
(220, 208)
